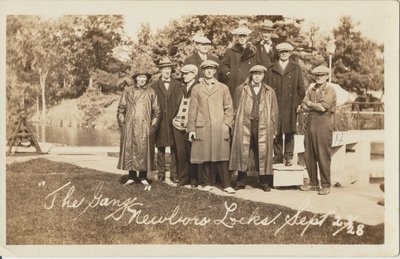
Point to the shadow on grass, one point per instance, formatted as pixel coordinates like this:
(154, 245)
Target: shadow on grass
(59, 203)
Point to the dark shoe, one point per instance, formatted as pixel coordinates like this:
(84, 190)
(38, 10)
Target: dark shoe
(324, 191)
(161, 178)
(239, 187)
(174, 179)
(182, 183)
(308, 188)
(265, 187)
(277, 161)
(289, 162)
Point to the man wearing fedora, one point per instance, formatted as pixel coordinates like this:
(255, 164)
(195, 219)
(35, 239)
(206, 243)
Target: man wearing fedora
(286, 78)
(265, 47)
(138, 117)
(238, 59)
(256, 114)
(320, 102)
(209, 125)
(202, 46)
(164, 87)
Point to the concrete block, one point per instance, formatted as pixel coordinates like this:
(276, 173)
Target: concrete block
(288, 175)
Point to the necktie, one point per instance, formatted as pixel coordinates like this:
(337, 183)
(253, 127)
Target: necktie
(166, 84)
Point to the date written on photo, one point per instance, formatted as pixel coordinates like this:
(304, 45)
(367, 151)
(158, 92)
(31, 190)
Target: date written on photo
(133, 210)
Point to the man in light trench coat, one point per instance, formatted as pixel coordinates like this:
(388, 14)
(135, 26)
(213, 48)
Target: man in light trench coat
(209, 125)
(256, 114)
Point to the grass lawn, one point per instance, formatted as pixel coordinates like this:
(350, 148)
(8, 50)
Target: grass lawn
(59, 203)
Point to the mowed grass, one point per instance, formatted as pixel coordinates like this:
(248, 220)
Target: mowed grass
(34, 219)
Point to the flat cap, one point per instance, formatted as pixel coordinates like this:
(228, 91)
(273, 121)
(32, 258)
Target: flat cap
(284, 46)
(320, 70)
(258, 68)
(241, 31)
(189, 69)
(165, 62)
(209, 63)
(201, 39)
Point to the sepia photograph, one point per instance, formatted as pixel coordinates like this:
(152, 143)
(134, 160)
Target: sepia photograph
(199, 128)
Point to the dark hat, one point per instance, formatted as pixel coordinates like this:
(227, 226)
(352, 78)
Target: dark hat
(148, 75)
(209, 63)
(320, 70)
(267, 25)
(165, 62)
(258, 68)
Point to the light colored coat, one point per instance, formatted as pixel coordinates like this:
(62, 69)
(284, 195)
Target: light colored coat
(267, 128)
(138, 112)
(211, 117)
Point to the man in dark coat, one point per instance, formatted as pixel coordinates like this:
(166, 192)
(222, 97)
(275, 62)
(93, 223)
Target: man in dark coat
(265, 47)
(238, 59)
(256, 114)
(286, 78)
(164, 88)
(202, 45)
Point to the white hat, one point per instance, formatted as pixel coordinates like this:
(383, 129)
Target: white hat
(241, 31)
(284, 46)
(201, 39)
(190, 68)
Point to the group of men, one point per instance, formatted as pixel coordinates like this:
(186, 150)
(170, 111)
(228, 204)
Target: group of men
(226, 114)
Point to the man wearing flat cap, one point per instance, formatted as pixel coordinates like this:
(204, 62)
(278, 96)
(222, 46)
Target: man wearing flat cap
(209, 126)
(238, 59)
(265, 47)
(164, 87)
(202, 45)
(286, 78)
(187, 172)
(256, 113)
(320, 102)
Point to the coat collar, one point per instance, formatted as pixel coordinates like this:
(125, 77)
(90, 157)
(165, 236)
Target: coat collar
(248, 86)
(162, 88)
(289, 67)
(206, 89)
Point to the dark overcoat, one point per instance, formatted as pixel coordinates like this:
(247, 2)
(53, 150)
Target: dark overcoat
(267, 128)
(236, 64)
(138, 111)
(164, 133)
(289, 90)
(196, 60)
(267, 59)
(211, 117)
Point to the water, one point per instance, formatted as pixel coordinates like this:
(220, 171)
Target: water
(73, 136)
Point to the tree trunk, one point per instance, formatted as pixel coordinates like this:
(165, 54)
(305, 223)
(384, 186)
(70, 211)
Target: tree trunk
(42, 77)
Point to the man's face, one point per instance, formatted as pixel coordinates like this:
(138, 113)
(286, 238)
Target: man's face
(203, 48)
(257, 77)
(242, 39)
(188, 76)
(266, 36)
(209, 72)
(166, 72)
(321, 79)
(284, 54)
(141, 80)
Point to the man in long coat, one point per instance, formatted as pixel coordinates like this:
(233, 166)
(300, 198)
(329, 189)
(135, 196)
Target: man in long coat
(238, 59)
(138, 117)
(286, 78)
(266, 48)
(256, 113)
(209, 125)
(202, 45)
(164, 87)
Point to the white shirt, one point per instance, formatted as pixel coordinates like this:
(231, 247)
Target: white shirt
(202, 56)
(256, 87)
(283, 64)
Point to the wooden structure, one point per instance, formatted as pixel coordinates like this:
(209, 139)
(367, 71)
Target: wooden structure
(23, 134)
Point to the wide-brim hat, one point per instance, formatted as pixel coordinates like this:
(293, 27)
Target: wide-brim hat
(148, 75)
(284, 46)
(258, 68)
(165, 62)
(320, 70)
(267, 25)
(241, 31)
(209, 63)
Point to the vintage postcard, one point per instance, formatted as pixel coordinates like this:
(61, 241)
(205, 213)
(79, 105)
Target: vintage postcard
(199, 128)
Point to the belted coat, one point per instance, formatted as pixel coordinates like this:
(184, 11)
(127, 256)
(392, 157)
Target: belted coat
(138, 116)
(289, 88)
(211, 118)
(267, 128)
(163, 135)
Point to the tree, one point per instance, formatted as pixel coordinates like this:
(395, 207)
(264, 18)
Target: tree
(357, 62)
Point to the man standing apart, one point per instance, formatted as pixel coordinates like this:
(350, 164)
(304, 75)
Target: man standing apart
(286, 78)
(239, 59)
(256, 113)
(202, 46)
(266, 48)
(209, 125)
(187, 172)
(164, 88)
(320, 102)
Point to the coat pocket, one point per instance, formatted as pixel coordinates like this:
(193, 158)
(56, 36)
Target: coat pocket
(225, 132)
(200, 132)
